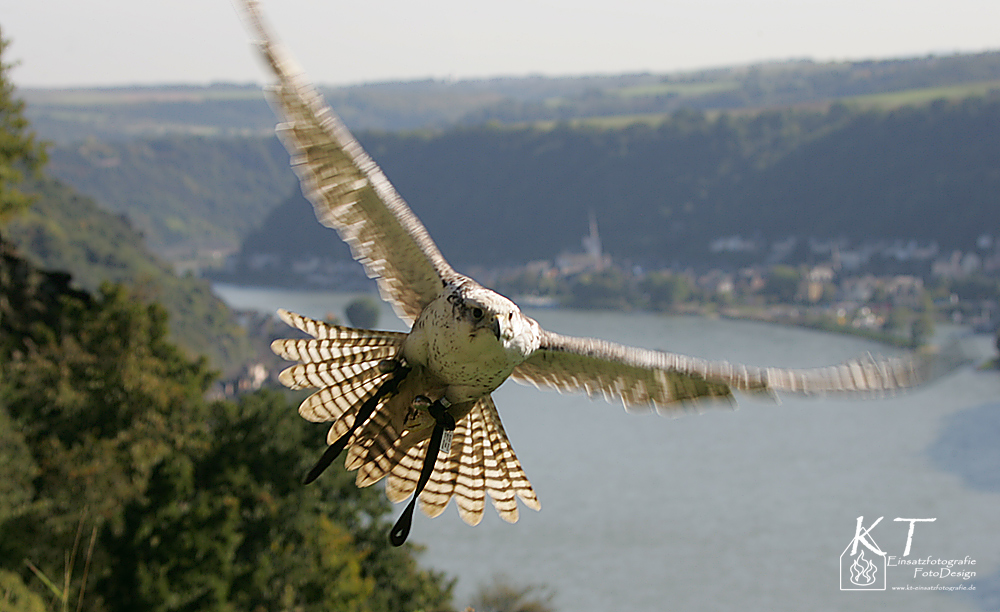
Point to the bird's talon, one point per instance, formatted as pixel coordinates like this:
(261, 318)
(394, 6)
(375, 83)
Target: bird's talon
(411, 415)
(387, 366)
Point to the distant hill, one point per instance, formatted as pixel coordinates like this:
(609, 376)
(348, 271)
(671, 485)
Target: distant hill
(71, 115)
(65, 230)
(197, 168)
(188, 195)
(492, 196)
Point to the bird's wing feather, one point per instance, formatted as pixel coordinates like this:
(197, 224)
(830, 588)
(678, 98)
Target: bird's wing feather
(670, 382)
(343, 363)
(348, 190)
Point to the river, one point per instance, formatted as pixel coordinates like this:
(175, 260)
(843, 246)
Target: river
(731, 510)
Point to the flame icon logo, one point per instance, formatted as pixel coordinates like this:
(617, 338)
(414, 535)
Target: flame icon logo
(863, 563)
(863, 571)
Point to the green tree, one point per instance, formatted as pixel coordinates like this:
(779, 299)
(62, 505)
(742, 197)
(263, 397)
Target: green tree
(17, 470)
(976, 288)
(19, 151)
(197, 505)
(15, 596)
(101, 399)
(922, 329)
(665, 290)
(502, 595)
(606, 289)
(230, 526)
(897, 321)
(783, 283)
(363, 312)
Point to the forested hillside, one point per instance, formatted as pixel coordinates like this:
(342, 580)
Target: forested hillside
(660, 192)
(222, 109)
(64, 230)
(196, 169)
(187, 194)
(931, 173)
(494, 196)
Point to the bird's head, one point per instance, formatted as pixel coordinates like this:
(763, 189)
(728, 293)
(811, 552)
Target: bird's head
(487, 312)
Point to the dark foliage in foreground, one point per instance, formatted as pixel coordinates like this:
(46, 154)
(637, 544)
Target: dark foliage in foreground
(196, 505)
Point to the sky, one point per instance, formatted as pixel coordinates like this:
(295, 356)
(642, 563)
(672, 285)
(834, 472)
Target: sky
(64, 43)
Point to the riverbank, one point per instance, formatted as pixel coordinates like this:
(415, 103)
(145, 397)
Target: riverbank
(799, 317)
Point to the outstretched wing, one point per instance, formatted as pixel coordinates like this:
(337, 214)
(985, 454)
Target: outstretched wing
(341, 362)
(348, 190)
(670, 382)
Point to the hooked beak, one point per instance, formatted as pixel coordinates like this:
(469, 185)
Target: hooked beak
(495, 326)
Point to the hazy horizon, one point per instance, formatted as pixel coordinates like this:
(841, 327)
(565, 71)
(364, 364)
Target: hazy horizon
(114, 43)
(486, 78)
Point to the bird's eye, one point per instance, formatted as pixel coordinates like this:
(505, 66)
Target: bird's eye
(477, 313)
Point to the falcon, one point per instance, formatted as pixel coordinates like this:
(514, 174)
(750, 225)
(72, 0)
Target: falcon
(415, 408)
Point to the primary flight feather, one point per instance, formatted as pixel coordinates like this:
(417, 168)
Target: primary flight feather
(415, 408)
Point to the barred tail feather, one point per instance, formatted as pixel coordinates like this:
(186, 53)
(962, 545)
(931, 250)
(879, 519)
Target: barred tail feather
(457, 474)
(441, 486)
(481, 461)
(470, 481)
(403, 477)
(376, 446)
(509, 478)
(497, 482)
(443, 483)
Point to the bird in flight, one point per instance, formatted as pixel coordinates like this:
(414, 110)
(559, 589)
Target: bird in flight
(415, 408)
